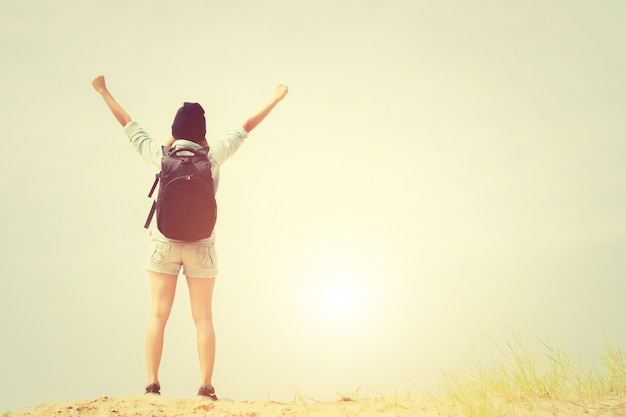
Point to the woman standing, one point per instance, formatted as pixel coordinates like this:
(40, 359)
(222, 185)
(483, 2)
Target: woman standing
(197, 259)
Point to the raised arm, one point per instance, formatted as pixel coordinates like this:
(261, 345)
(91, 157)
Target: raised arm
(254, 120)
(120, 114)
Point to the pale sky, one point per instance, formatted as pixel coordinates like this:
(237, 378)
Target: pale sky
(440, 172)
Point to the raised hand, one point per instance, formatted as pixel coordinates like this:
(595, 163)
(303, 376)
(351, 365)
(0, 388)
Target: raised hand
(120, 114)
(281, 91)
(99, 84)
(255, 119)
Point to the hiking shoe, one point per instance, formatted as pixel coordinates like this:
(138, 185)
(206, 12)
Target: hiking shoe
(154, 389)
(207, 392)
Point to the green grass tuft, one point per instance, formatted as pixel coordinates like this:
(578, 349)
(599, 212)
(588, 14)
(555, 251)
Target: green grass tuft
(522, 378)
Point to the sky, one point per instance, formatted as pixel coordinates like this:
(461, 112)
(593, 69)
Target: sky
(440, 175)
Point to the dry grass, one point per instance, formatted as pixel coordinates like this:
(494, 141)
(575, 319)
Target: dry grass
(517, 383)
(537, 384)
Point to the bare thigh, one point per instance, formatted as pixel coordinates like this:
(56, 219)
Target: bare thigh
(162, 290)
(201, 297)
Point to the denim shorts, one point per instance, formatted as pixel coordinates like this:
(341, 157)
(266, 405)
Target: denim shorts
(197, 259)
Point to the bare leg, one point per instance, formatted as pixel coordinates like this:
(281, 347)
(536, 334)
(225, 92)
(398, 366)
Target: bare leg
(163, 288)
(201, 297)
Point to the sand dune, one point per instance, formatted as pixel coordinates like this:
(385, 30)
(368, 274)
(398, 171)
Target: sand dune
(154, 406)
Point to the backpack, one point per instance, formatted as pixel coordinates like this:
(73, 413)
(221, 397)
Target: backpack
(185, 206)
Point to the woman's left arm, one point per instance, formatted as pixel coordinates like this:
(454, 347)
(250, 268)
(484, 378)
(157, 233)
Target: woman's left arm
(118, 111)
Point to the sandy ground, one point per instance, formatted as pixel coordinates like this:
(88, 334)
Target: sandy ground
(155, 406)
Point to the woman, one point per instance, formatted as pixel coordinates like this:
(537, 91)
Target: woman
(197, 259)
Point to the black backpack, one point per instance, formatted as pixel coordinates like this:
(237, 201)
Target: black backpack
(185, 206)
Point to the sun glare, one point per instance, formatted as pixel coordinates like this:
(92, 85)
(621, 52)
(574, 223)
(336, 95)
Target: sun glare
(340, 289)
(339, 295)
(341, 298)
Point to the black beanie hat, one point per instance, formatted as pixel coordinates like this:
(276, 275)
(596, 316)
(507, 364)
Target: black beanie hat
(190, 123)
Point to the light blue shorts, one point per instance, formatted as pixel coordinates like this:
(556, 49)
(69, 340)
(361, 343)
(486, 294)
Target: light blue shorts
(197, 259)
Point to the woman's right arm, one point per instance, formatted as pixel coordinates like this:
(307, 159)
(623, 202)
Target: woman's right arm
(254, 120)
(118, 111)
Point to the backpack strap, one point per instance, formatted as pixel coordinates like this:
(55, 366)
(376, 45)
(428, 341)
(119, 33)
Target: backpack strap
(153, 208)
(156, 181)
(164, 150)
(150, 215)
